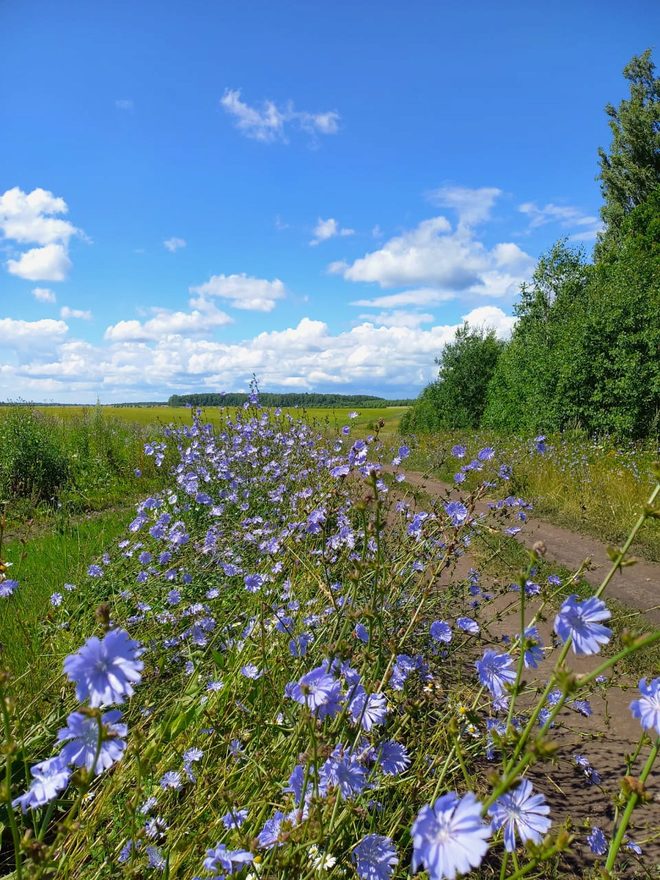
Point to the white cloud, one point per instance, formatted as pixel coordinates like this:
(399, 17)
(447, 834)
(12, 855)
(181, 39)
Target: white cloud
(124, 104)
(43, 294)
(398, 318)
(31, 336)
(452, 263)
(423, 296)
(141, 359)
(173, 244)
(243, 291)
(200, 321)
(329, 228)
(82, 314)
(566, 216)
(472, 205)
(269, 123)
(49, 263)
(27, 218)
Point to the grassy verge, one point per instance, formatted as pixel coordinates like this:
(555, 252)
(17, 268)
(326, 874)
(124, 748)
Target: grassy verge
(591, 486)
(42, 564)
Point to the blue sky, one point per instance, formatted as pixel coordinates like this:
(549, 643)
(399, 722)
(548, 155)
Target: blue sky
(317, 193)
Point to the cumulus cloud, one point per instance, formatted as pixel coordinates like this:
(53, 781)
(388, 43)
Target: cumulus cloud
(32, 336)
(174, 244)
(586, 226)
(43, 294)
(243, 291)
(200, 321)
(49, 263)
(451, 262)
(270, 122)
(398, 318)
(472, 205)
(29, 218)
(82, 314)
(329, 228)
(385, 352)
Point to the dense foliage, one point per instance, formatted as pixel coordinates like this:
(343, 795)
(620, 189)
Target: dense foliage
(585, 351)
(286, 677)
(458, 398)
(306, 399)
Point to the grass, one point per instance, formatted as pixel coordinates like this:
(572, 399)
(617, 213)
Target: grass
(333, 554)
(43, 563)
(591, 486)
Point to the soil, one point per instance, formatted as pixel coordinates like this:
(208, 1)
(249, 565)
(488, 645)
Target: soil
(610, 732)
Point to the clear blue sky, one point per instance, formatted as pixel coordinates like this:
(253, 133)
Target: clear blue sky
(317, 193)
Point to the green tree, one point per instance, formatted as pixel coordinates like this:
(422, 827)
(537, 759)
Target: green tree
(631, 170)
(523, 392)
(458, 397)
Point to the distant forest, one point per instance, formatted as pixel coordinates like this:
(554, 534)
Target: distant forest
(585, 350)
(286, 399)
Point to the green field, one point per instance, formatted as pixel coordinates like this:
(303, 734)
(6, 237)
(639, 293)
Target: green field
(165, 415)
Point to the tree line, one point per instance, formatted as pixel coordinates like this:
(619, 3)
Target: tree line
(306, 399)
(585, 350)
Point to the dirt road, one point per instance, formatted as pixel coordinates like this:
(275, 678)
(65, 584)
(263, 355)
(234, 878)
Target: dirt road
(637, 586)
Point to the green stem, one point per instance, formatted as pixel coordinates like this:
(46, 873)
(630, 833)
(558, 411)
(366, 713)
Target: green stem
(630, 806)
(10, 809)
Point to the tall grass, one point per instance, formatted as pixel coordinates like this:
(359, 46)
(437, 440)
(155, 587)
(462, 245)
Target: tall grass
(283, 599)
(592, 485)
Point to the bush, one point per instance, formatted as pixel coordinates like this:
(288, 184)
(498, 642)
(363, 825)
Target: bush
(32, 462)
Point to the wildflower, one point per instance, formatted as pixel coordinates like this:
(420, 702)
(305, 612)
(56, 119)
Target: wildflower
(449, 837)
(95, 571)
(632, 846)
(468, 625)
(253, 582)
(533, 649)
(393, 757)
(647, 708)
(368, 709)
(457, 513)
(591, 774)
(56, 600)
(7, 587)
(539, 444)
(190, 756)
(375, 857)
(49, 778)
(486, 453)
(269, 835)
(231, 860)
(321, 861)
(234, 819)
(441, 631)
(105, 670)
(597, 842)
(342, 770)
(362, 633)
(581, 622)
(155, 858)
(81, 736)
(316, 688)
(458, 451)
(496, 671)
(521, 811)
(171, 779)
(251, 671)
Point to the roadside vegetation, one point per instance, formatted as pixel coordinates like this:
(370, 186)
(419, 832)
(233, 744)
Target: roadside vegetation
(284, 670)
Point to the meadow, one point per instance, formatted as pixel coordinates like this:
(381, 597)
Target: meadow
(286, 666)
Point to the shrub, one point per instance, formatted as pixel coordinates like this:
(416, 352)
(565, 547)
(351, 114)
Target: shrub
(32, 462)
